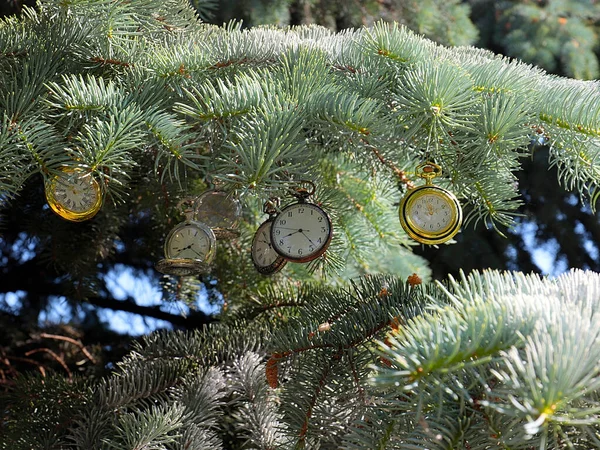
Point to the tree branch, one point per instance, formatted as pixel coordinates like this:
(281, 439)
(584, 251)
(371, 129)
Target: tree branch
(195, 319)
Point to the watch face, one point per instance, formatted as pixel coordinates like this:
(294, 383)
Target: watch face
(74, 195)
(430, 214)
(266, 260)
(218, 209)
(190, 240)
(301, 232)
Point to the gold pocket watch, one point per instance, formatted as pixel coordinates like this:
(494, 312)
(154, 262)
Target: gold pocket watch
(189, 248)
(302, 231)
(74, 194)
(265, 259)
(220, 211)
(430, 214)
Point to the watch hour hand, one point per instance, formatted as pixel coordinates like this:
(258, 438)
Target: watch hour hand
(185, 248)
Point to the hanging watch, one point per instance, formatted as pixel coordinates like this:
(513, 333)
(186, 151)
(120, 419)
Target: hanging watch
(430, 214)
(189, 248)
(220, 211)
(265, 259)
(74, 194)
(302, 231)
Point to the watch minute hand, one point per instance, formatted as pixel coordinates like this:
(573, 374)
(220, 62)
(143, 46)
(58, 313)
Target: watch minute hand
(305, 235)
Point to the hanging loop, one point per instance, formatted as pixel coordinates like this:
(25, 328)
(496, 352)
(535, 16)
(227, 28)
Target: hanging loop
(188, 206)
(271, 206)
(305, 189)
(429, 171)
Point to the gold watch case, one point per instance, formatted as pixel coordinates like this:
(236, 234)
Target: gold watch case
(189, 249)
(74, 194)
(430, 214)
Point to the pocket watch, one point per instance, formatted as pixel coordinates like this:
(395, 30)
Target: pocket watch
(220, 211)
(265, 259)
(302, 231)
(430, 214)
(189, 248)
(74, 194)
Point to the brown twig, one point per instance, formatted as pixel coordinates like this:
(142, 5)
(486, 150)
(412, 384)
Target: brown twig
(399, 173)
(361, 391)
(54, 355)
(40, 366)
(114, 62)
(313, 402)
(72, 341)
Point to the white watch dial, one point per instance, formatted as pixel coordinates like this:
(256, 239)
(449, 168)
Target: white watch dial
(188, 242)
(431, 213)
(301, 232)
(76, 193)
(265, 258)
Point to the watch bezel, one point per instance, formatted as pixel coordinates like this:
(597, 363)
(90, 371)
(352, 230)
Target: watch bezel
(318, 253)
(210, 254)
(417, 233)
(279, 262)
(62, 210)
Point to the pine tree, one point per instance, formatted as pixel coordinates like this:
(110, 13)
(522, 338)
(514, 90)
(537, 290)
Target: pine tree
(560, 36)
(353, 351)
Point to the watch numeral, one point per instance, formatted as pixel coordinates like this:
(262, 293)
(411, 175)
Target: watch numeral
(301, 210)
(320, 219)
(282, 222)
(323, 230)
(289, 213)
(299, 251)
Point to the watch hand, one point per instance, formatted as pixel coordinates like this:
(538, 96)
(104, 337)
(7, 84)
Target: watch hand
(286, 228)
(184, 248)
(311, 242)
(200, 255)
(266, 242)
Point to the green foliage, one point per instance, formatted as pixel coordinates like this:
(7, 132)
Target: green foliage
(37, 412)
(559, 35)
(156, 105)
(494, 360)
(511, 346)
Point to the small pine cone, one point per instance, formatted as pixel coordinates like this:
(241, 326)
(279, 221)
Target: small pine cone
(272, 370)
(414, 280)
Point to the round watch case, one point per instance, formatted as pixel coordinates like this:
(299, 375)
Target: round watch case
(189, 248)
(74, 194)
(265, 259)
(301, 232)
(220, 211)
(430, 214)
